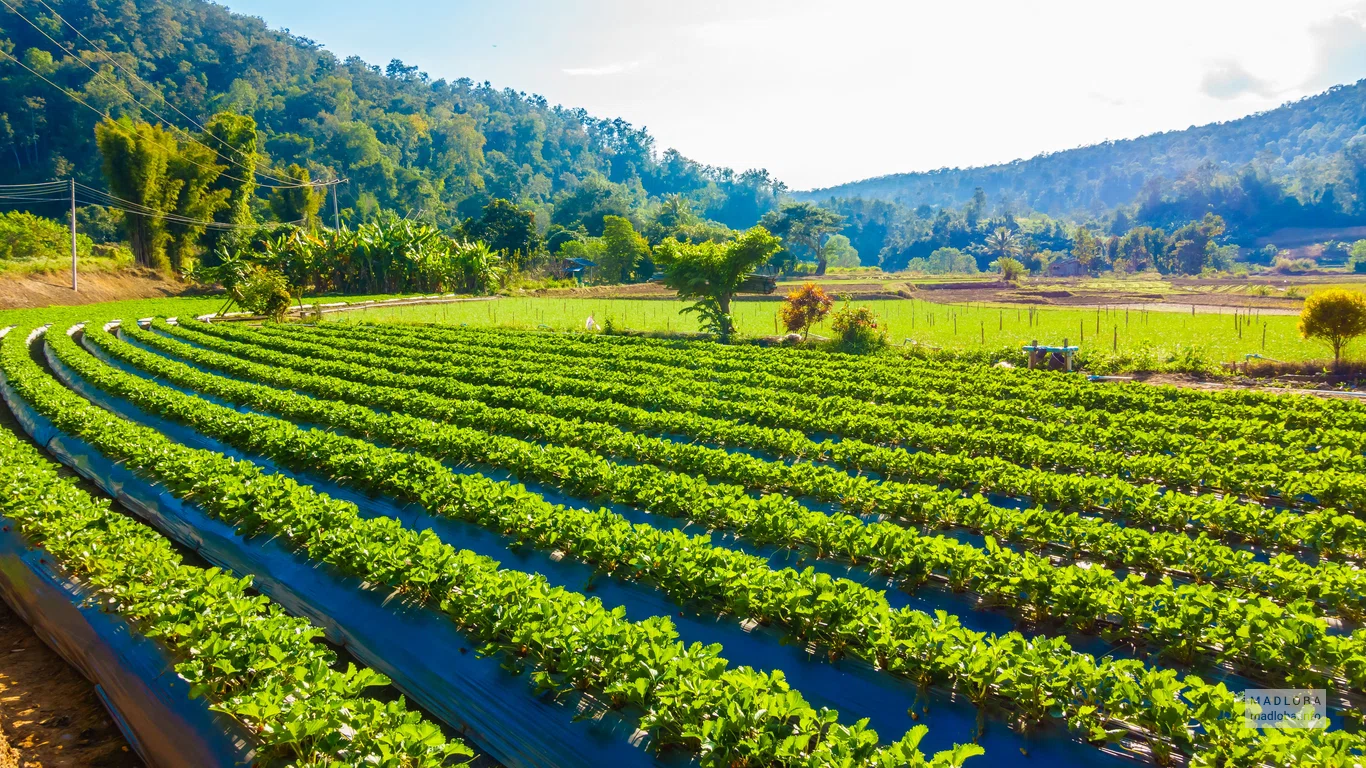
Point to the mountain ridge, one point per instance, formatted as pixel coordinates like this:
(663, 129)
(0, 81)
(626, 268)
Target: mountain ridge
(1283, 141)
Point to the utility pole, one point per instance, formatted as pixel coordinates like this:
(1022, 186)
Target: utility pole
(73, 234)
(336, 216)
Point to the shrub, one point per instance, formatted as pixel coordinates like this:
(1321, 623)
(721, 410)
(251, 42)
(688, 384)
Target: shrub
(804, 308)
(25, 237)
(266, 292)
(858, 329)
(1011, 270)
(1290, 266)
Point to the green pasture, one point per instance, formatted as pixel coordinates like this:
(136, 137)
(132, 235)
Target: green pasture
(1217, 336)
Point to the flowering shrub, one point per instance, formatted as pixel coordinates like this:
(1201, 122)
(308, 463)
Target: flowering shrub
(858, 329)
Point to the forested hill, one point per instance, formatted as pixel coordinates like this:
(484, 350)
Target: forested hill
(1295, 144)
(421, 146)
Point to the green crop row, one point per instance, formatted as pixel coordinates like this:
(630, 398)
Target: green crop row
(883, 547)
(995, 406)
(1327, 531)
(686, 694)
(863, 421)
(1034, 677)
(965, 378)
(239, 651)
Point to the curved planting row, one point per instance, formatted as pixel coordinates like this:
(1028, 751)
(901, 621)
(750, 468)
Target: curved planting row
(895, 376)
(927, 398)
(238, 651)
(773, 519)
(866, 422)
(1328, 531)
(840, 615)
(686, 696)
(963, 377)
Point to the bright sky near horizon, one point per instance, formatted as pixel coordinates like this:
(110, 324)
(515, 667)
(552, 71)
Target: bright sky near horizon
(821, 93)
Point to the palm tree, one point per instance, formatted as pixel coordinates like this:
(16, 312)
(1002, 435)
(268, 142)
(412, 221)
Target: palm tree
(1003, 244)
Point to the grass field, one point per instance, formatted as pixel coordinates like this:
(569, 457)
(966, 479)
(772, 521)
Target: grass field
(952, 327)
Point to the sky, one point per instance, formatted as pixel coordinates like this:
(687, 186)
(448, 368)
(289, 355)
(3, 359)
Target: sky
(821, 93)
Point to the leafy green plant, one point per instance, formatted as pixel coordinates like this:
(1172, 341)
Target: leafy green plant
(566, 640)
(563, 523)
(858, 329)
(239, 651)
(266, 292)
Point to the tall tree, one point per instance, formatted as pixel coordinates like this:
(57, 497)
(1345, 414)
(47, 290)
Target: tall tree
(197, 201)
(625, 253)
(1190, 244)
(137, 162)
(712, 273)
(1003, 244)
(807, 225)
(297, 204)
(1085, 246)
(507, 229)
(233, 137)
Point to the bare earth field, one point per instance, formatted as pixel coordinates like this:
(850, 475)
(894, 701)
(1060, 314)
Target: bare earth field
(48, 290)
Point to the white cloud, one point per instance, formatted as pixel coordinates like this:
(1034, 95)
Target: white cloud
(615, 68)
(1340, 48)
(1228, 79)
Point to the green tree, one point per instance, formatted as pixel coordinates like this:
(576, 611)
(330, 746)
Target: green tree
(1011, 269)
(233, 137)
(1335, 316)
(137, 162)
(297, 204)
(197, 201)
(506, 229)
(1191, 244)
(839, 252)
(1358, 259)
(712, 273)
(624, 252)
(1085, 246)
(807, 225)
(1003, 244)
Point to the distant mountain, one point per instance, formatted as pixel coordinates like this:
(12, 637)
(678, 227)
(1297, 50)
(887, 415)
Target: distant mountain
(1296, 142)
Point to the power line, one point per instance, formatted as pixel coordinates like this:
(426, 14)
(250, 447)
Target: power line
(115, 126)
(140, 105)
(133, 77)
(105, 115)
(16, 194)
(35, 184)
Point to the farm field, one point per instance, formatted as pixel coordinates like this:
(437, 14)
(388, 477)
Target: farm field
(573, 549)
(1217, 337)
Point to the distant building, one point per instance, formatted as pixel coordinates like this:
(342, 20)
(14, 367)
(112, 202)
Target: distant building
(1066, 268)
(579, 269)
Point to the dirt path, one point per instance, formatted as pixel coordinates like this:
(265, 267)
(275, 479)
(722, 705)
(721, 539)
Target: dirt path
(48, 711)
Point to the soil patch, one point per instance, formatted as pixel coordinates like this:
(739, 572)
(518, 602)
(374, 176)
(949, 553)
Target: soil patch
(46, 290)
(48, 711)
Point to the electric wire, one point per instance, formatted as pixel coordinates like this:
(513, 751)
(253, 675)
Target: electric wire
(133, 77)
(153, 112)
(117, 127)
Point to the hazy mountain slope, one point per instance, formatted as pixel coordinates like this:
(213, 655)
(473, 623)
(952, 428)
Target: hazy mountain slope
(1284, 142)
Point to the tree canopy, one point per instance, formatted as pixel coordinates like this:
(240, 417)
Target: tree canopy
(712, 273)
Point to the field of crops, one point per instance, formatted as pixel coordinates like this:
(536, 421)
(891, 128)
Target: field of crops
(1143, 334)
(554, 549)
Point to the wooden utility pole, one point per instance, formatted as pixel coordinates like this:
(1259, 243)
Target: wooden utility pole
(73, 235)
